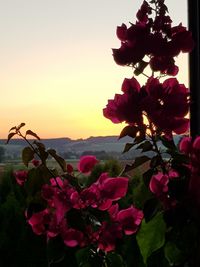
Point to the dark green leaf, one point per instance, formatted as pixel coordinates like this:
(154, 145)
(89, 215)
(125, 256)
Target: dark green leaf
(139, 139)
(127, 147)
(147, 176)
(129, 131)
(151, 236)
(36, 178)
(10, 137)
(29, 132)
(59, 159)
(83, 257)
(151, 207)
(174, 255)
(146, 146)
(27, 155)
(155, 161)
(55, 250)
(42, 151)
(20, 126)
(140, 67)
(114, 260)
(13, 128)
(168, 143)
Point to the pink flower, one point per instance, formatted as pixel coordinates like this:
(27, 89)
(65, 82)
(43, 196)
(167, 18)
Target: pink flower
(73, 237)
(39, 221)
(167, 105)
(104, 191)
(21, 177)
(130, 219)
(108, 234)
(112, 188)
(86, 164)
(126, 107)
(159, 184)
(70, 168)
(35, 162)
(185, 145)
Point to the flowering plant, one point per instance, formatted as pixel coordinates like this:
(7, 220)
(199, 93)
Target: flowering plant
(123, 220)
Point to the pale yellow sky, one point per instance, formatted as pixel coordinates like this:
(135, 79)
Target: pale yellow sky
(56, 66)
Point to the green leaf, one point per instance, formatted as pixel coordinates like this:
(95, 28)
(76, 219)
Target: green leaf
(36, 178)
(155, 161)
(174, 255)
(140, 67)
(20, 126)
(29, 132)
(168, 143)
(127, 147)
(83, 257)
(146, 146)
(151, 207)
(42, 151)
(129, 131)
(59, 159)
(27, 155)
(55, 250)
(151, 236)
(10, 137)
(114, 260)
(13, 128)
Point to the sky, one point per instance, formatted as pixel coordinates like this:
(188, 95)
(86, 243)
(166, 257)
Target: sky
(56, 66)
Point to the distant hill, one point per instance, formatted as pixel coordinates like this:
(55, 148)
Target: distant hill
(67, 147)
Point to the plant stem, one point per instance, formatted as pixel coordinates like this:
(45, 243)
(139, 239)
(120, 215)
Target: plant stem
(35, 151)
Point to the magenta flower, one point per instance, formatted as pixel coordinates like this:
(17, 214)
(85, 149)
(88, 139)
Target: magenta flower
(104, 191)
(185, 145)
(126, 107)
(87, 163)
(108, 234)
(159, 183)
(39, 221)
(73, 237)
(192, 150)
(130, 219)
(35, 162)
(21, 177)
(167, 105)
(70, 168)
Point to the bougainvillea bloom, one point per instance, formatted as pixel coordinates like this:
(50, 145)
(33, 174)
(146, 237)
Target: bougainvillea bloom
(108, 234)
(130, 219)
(36, 162)
(70, 168)
(39, 221)
(73, 237)
(192, 150)
(167, 104)
(87, 163)
(21, 176)
(159, 182)
(126, 107)
(154, 37)
(104, 191)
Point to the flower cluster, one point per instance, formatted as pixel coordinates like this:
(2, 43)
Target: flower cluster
(192, 150)
(164, 104)
(159, 185)
(65, 203)
(152, 35)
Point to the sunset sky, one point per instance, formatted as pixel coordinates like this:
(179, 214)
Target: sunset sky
(56, 65)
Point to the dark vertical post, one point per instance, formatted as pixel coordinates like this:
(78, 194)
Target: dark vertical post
(194, 66)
